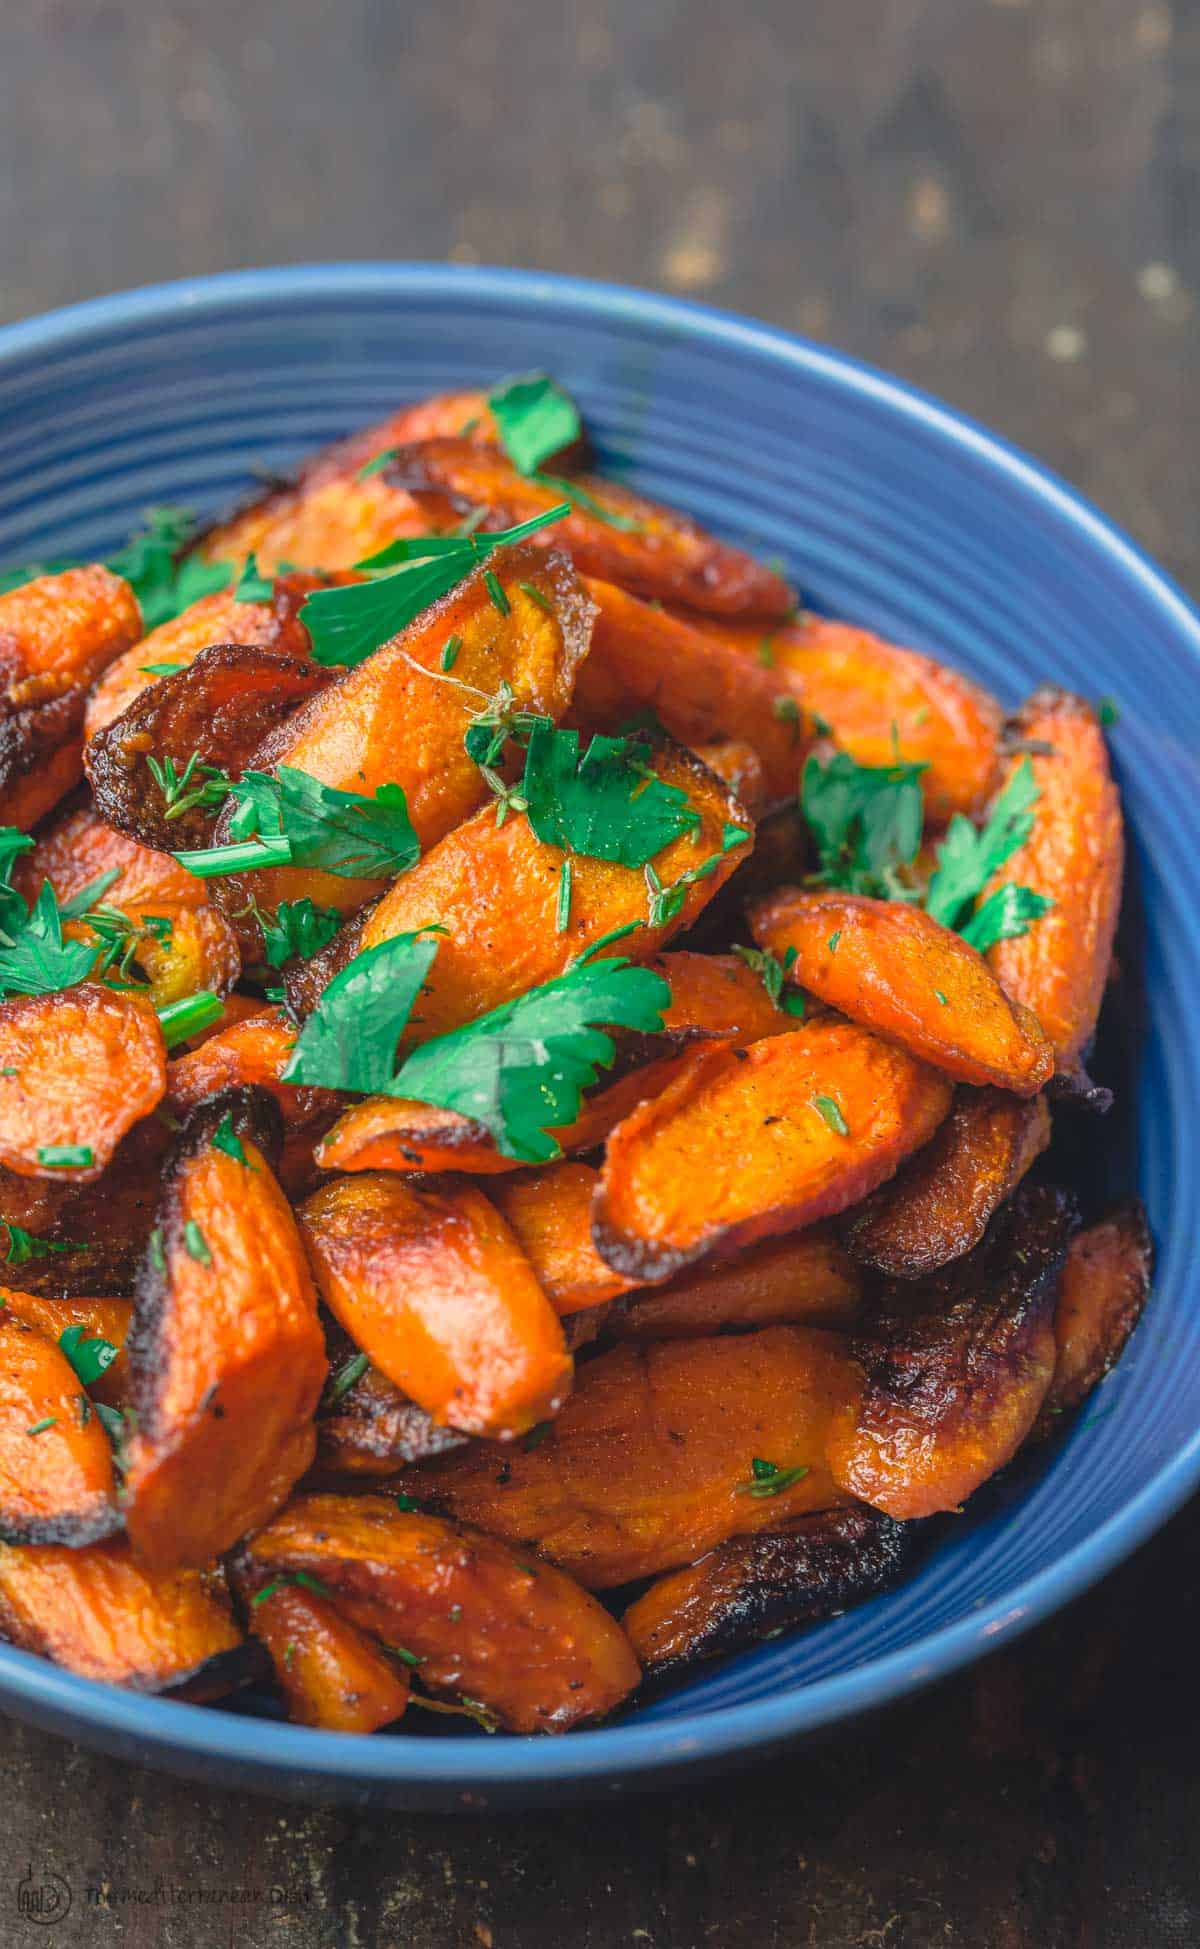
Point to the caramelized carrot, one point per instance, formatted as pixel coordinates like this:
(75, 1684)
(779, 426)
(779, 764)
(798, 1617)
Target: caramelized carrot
(254, 1051)
(898, 971)
(331, 524)
(495, 889)
(227, 1354)
(745, 1144)
(398, 719)
(882, 704)
(365, 1425)
(77, 1070)
(1074, 855)
(630, 541)
(1103, 1287)
(739, 764)
(216, 618)
(650, 1462)
(802, 1279)
(87, 1237)
(550, 1211)
(505, 1632)
(57, 633)
(436, 1291)
(939, 1205)
(56, 1469)
(329, 1672)
(102, 1614)
(698, 687)
(956, 1367)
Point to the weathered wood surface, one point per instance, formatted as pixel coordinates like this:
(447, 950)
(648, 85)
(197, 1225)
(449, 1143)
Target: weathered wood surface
(995, 198)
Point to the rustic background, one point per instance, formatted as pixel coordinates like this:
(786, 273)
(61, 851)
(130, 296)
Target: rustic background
(995, 198)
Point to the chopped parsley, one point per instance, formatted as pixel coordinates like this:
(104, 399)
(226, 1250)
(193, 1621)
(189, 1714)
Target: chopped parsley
(562, 911)
(1004, 915)
(606, 804)
(406, 1504)
(66, 1157)
(450, 650)
(24, 1246)
(834, 938)
(301, 1578)
(664, 903)
(969, 855)
(40, 1427)
(832, 1115)
(154, 1246)
(535, 595)
(296, 928)
(349, 1041)
(35, 960)
(347, 1374)
(500, 601)
(286, 818)
(90, 1357)
(535, 419)
(195, 1243)
(164, 579)
(773, 972)
(346, 624)
(865, 821)
(251, 586)
(159, 669)
(225, 1138)
(768, 1479)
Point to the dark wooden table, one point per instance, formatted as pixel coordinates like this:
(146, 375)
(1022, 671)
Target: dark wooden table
(995, 198)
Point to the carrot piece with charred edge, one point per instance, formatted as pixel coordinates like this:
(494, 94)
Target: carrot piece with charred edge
(754, 1587)
(495, 889)
(226, 1351)
(649, 1463)
(897, 971)
(801, 1279)
(550, 1212)
(938, 1207)
(1104, 1285)
(713, 997)
(508, 1633)
(955, 1368)
(103, 1319)
(99, 1612)
(57, 1483)
(214, 711)
(438, 1294)
(77, 1070)
(882, 704)
(215, 618)
(739, 764)
(1075, 854)
(255, 1051)
(748, 1143)
(696, 685)
(329, 1672)
(365, 1425)
(398, 719)
(110, 1219)
(57, 633)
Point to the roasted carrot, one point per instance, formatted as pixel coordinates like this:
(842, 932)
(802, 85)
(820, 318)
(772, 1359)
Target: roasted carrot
(254, 1052)
(216, 618)
(609, 532)
(739, 764)
(754, 1587)
(939, 1205)
(329, 1672)
(1104, 1285)
(365, 1425)
(882, 704)
(1075, 856)
(99, 1319)
(550, 1211)
(100, 1613)
(226, 1352)
(495, 889)
(328, 523)
(57, 633)
(512, 1635)
(435, 1289)
(748, 1143)
(399, 719)
(895, 969)
(56, 1469)
(802, 1279)
(83, 1237)
(651, 1461)
(77, 1070)
(956, 1367)
(698, 687)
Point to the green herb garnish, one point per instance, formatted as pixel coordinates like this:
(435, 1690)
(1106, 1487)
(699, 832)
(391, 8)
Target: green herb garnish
(349, 1041)
(91, 1357)
(253, 587)
(297, 927)
(535, 419)
(666, 902)
(181, 1020)
(831, 1112)
(196, 784)
(195, 1243)
(288, 1577)
(562, 912)
(768, 1479)
(24, 1246)
(35, 960)
(968, 856)
(607, 804)
(66, 1157)
(773, 973)
(865, 821)
(154, 1245)
(1004, 915)
(450, 650)
(225, 1138)
(40, 1427)
(347, 1374)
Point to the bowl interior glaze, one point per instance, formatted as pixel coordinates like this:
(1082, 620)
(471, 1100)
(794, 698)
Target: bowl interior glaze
(886, 509)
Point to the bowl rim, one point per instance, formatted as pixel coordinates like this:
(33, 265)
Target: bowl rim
(636, 1752)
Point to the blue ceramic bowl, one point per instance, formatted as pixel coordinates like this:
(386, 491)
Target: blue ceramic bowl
(887, 509)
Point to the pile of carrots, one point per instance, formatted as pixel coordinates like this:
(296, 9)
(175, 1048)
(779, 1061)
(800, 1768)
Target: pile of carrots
(382, 1330)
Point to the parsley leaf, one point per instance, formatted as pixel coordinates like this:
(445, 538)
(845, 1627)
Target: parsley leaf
(297, 927)
(24, 1246)
(831, 1113)
(349, 1040)
(968, 856)
(66, 1157)
(664, 903)
(346, 624)
(150, 563)
(36, 960)
(773, 972)
(535, 419)
(865, 821)
(521, 1069)
(225, 1138)
(606, 804)
(344, 833)
(348, 1373)
(768, 1479)
(1004, 915)
(195, 1244)
(91, 1357)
